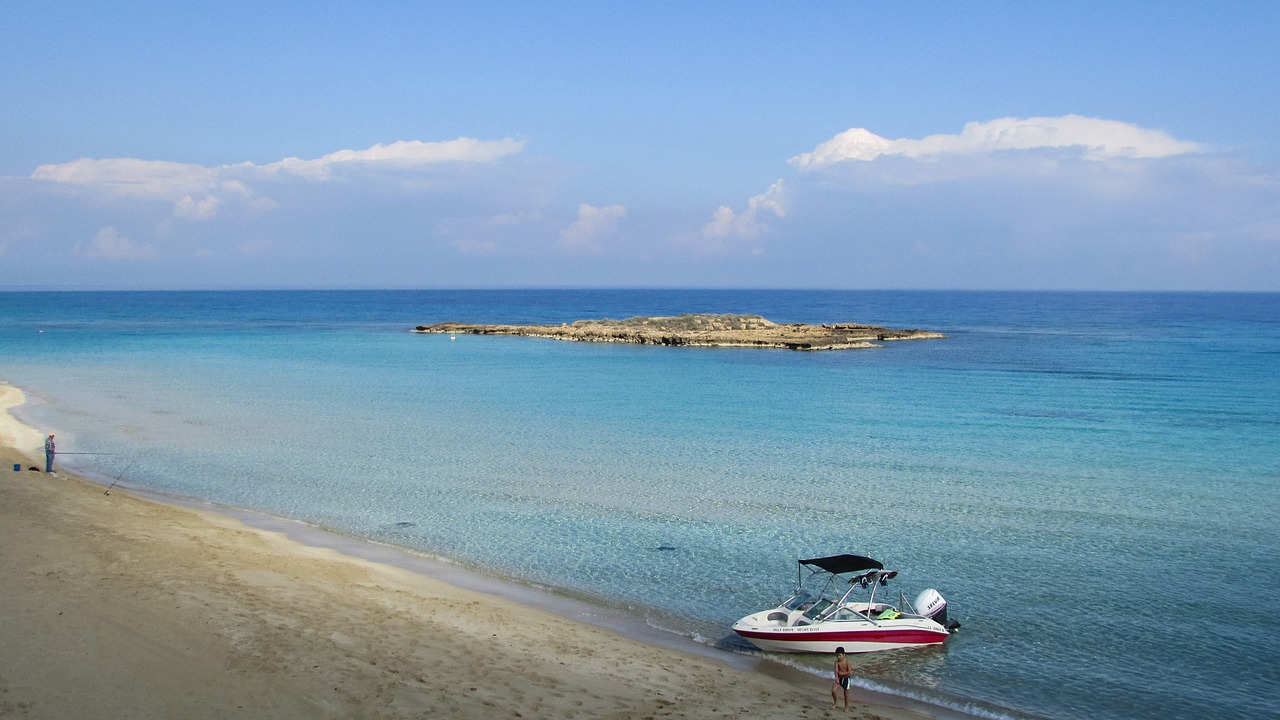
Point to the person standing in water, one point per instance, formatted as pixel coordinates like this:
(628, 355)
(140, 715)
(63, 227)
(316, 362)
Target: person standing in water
(49, 451)
(843, 674)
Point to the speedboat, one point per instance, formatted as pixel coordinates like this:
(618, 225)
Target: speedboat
(822, 615)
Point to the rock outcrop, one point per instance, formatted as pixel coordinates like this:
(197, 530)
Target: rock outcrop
(700, 331)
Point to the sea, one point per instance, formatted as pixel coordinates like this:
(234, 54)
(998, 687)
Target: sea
(1091, 480)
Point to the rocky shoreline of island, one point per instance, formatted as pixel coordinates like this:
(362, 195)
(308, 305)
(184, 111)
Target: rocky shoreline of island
(700, 330)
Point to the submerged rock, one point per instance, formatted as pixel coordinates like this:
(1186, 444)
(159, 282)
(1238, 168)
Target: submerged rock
(700, 331)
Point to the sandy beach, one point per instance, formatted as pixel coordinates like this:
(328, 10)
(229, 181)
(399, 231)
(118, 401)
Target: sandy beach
(115, 606)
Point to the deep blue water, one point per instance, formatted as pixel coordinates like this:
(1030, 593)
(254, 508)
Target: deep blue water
(1089, 478)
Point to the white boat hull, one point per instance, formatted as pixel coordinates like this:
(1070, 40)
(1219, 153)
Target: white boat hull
(822, 615)
(855, 636)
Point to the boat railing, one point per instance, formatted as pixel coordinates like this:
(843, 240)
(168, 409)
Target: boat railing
(873, 581)
(845, 605)
(818, 607)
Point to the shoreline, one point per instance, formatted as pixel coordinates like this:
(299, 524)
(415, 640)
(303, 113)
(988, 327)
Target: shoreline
(132, 605)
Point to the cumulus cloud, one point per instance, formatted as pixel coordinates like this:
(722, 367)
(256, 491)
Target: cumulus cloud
(1096, 138)
(997, 154)
(583, 235)
(110, 244)
(1069, 202)
(750, 223)
(192, 209)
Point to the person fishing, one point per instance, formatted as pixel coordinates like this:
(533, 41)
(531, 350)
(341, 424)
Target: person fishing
(50, 449)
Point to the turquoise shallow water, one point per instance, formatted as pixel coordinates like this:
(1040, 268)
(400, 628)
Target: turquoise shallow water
(1090, 479)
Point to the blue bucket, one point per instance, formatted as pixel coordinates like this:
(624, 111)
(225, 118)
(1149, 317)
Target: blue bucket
(17, 467)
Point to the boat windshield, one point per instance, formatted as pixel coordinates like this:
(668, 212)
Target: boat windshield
(801, 599)
(818, 609)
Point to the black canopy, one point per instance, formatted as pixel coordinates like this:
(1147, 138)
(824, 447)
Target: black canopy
(838, 564)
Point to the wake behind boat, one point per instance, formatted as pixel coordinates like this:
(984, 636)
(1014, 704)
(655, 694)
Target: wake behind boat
(822, 615)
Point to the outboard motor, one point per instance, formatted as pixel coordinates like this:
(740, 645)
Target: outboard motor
(930, 604)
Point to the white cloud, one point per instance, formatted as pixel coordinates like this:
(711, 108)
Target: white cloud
(130, 177)
(749, 224)
(193, 209)
(1069, 202)
(402, 154)
(852, 144)
(108, 243)
(1098, 139)
(1053, 203)
(200, 193)
(583, 234)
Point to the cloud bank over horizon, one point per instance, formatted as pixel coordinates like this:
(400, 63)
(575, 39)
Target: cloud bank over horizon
(1038, 202)
(181, 182)
(1069, 202)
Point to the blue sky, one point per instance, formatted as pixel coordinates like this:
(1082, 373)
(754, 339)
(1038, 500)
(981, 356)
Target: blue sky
(987, 145)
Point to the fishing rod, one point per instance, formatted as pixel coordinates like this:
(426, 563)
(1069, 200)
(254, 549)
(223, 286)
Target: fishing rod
(59, 452)
(122, 472)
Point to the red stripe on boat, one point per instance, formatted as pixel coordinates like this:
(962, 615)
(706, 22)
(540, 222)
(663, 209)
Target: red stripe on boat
(912, 637)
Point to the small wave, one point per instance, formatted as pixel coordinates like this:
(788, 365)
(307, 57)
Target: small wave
(967, 708)
(796, 662)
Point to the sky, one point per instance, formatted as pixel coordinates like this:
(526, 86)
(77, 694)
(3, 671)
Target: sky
(813, 144)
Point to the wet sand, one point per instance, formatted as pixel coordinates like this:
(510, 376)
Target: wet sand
(116, 605)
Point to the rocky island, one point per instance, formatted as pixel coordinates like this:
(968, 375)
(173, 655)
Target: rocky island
(700, 331)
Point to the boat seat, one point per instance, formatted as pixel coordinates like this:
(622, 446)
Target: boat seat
(778, 616)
